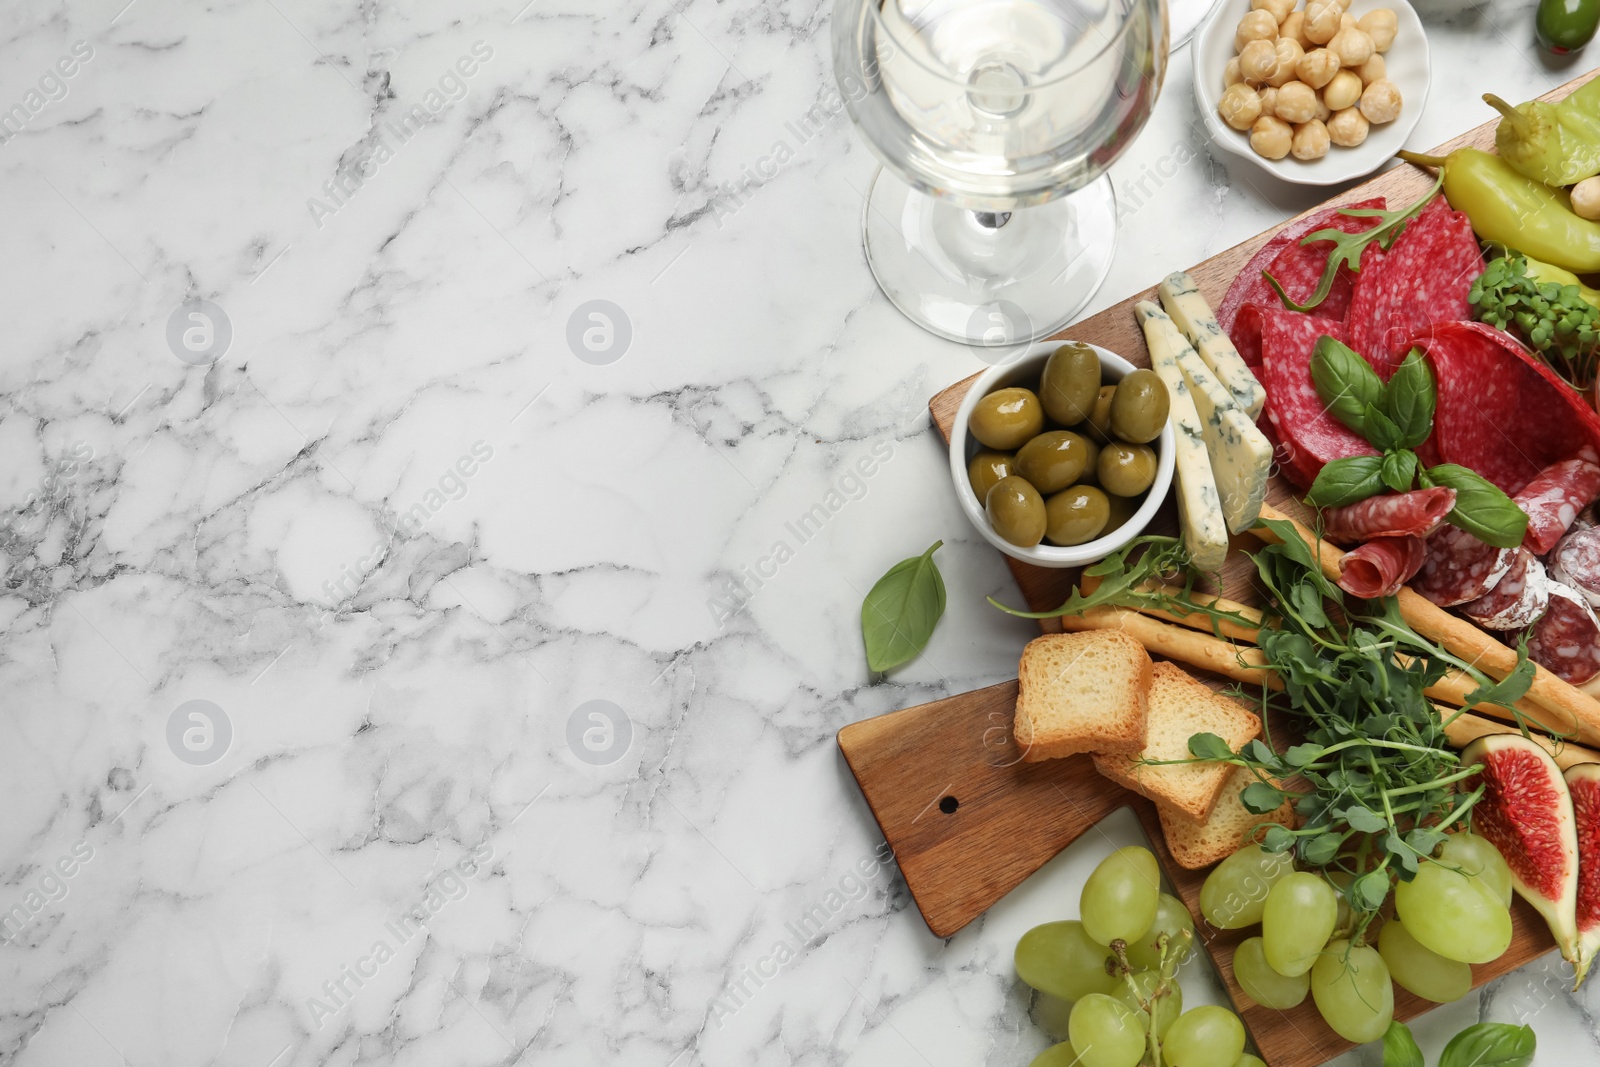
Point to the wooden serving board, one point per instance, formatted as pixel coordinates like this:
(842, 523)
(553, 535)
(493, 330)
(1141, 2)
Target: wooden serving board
(969, 821)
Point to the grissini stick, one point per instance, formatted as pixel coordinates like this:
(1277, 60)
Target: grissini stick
(1248, 664)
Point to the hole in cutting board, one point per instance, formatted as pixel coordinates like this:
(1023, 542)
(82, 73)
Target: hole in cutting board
(948, 805)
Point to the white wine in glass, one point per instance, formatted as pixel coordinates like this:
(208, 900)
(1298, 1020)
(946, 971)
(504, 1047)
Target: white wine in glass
(992, 222)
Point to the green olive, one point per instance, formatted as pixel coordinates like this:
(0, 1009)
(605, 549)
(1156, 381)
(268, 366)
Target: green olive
(1090, 475)
(1076, 515)
(1069, 383)
(1126, 470)
(1139, 409)
(1099, 423)
(1053, 460)
(987, 468)
(1016, 511)
(1007, 418)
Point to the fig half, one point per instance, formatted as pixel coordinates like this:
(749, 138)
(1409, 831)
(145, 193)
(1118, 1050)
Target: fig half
(1526, 812)
(1583, 780)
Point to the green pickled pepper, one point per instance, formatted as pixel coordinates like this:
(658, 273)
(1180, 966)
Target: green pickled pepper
(1508, 209)
(1558, 144)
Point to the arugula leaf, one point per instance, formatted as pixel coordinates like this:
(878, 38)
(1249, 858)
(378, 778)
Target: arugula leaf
(1346, 383)
(1119, 578)
(1510, 689)
(1482, 509)
(1490, 1045)
(1410, 399)
(1347, 247)
(1259, 798)
(1344, 481)
(1400, 1048)
(901, 610)
(1368, 892)
(1209, 746)
(1399, 469)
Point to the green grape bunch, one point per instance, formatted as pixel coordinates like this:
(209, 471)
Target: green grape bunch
(1555, 320)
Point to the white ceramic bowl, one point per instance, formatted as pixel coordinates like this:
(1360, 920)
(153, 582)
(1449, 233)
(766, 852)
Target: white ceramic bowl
(1406, 65)
(1025, 371)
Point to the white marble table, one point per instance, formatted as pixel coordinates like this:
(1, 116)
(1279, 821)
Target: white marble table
(307, 599)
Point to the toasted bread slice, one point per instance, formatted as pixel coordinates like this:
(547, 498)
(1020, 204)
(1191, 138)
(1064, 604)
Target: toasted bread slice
(1181, 707)
(1195, 845)
(1081, 693)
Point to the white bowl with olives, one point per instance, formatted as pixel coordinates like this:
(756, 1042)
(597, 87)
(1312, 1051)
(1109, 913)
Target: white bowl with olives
(1315, 92)
(1063, 455)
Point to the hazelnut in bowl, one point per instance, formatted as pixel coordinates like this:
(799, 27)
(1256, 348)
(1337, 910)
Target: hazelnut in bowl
(1063, 455)
(1315, 92)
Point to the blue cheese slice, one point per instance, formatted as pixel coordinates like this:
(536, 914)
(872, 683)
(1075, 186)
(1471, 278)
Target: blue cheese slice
(1241, 455)
(1205, 531)
(1182, 299)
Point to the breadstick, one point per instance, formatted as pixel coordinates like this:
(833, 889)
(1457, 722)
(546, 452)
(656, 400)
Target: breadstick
(1244, 663)
(1248, 664)
(1198, 620)
(1467, 728)
(1573, 710)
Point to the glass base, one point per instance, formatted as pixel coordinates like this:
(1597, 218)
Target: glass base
(996, 281)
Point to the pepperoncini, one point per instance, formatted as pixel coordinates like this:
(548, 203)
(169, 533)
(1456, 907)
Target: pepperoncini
(1508, 209)
(1557, 144)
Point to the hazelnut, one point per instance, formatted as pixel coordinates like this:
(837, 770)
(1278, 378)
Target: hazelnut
(1347, 128)
(1271, 137)
(1310, 140)
(1240, 106)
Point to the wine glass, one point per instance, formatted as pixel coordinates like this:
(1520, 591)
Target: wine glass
(991, 221)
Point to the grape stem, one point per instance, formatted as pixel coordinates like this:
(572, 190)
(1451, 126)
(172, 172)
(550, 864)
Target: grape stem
(1173, 951)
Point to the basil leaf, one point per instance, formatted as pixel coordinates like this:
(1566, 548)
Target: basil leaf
(1381, 431)
(900, 612)
(1481, 508)
(1209, 746)
(1490, 1045)
(1346, 383)
(1409, 400)
(1259, 798)
(1400, 1048)
(1399, 469)
(1344, 481)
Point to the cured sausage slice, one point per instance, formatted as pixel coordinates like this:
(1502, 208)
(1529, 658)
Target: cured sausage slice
(1297, 267)
(1460, 567)
(1553, 500)
(1517, 600)
(1414, 514)
(1307, 435)
(1381, 566)
(1566, 642)
(1423, 278)
(1576, 563)
(1500, 411)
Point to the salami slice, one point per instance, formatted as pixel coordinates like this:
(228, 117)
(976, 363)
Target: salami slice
(1307, 435)
(1414, 514)
(1576, 563)
(1297, 268)
(1381, 566)
(1460, 567)
(1500, 411)
(1517, 601)
(1553, 500)
(1566, 642)
(1423, 278)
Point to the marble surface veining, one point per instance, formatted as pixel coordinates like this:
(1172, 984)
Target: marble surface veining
(386, 684)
